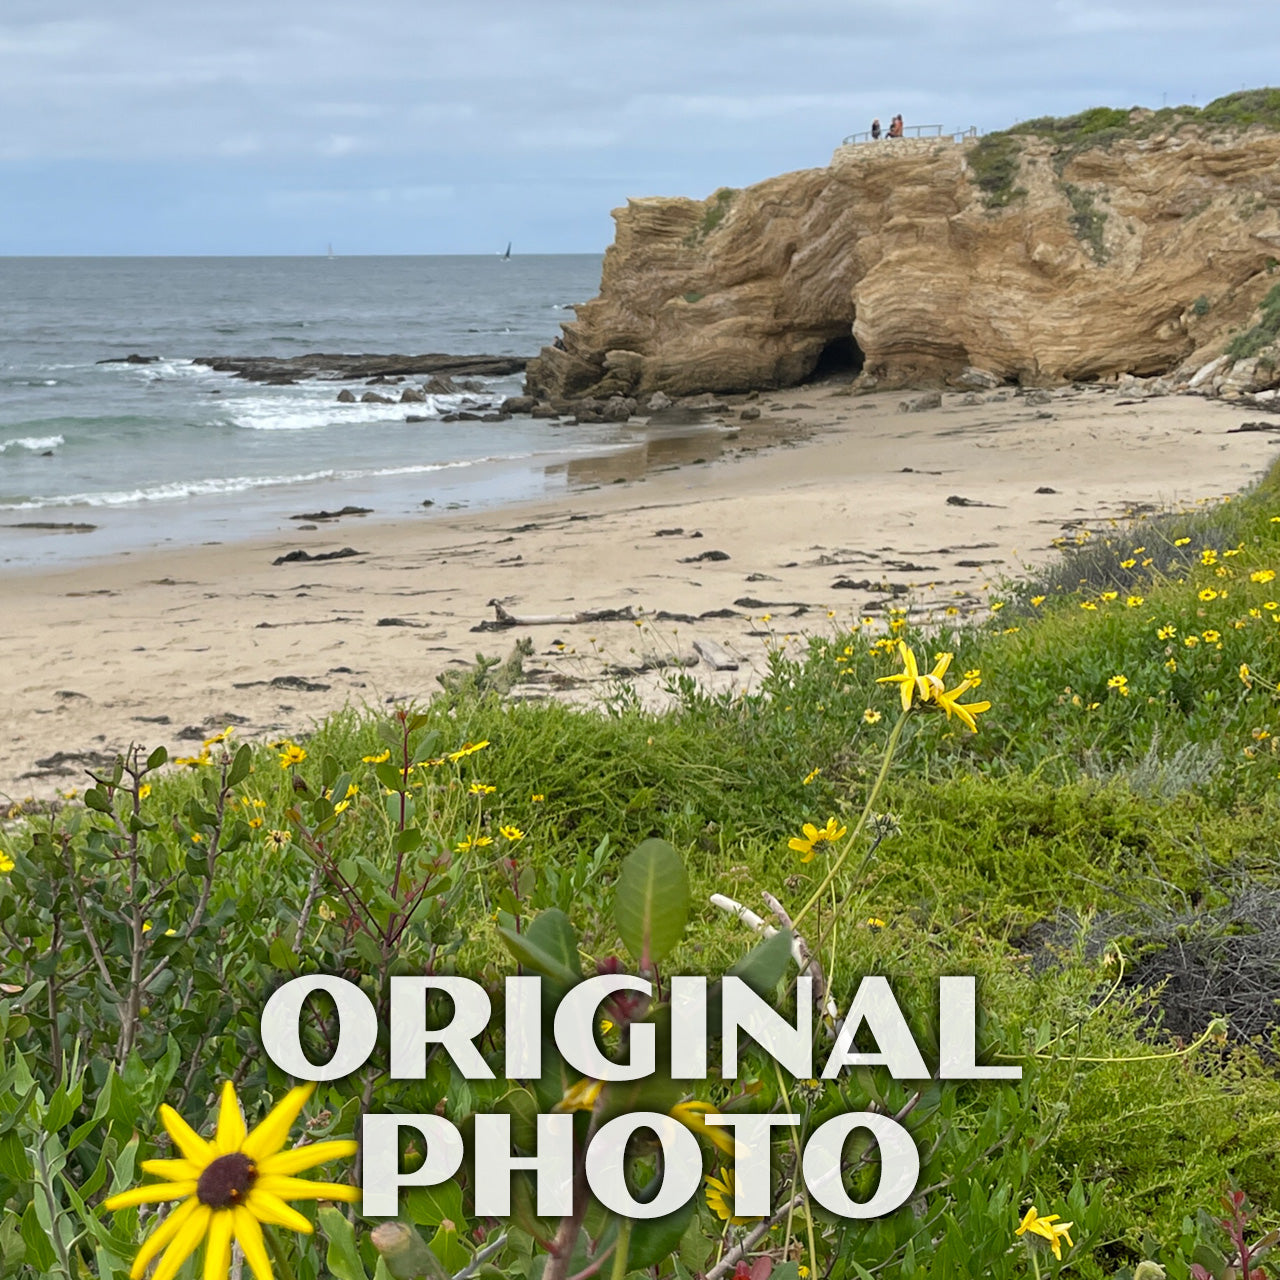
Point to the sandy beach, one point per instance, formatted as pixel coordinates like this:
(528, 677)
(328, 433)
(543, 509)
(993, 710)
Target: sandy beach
(168, 646)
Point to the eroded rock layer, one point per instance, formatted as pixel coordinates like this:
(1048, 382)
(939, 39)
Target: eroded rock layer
(1143, 256)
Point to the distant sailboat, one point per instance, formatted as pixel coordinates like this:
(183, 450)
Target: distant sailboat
(506, 255)
(331, 250)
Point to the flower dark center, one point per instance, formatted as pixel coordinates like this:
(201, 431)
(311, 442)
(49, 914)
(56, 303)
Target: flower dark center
(226, 1181)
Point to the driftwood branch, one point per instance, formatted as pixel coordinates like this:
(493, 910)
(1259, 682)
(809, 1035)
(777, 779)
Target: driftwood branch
(504, 619)
(800, 953)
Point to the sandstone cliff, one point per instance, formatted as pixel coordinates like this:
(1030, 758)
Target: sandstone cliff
(1038, 255)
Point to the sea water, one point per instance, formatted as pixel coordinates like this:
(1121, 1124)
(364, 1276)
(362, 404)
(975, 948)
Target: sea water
(170, 451)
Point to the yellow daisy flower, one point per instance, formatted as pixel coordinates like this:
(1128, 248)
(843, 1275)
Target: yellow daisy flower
(720, 1195)
(231, 1186)
(814, 836)
(947, 699)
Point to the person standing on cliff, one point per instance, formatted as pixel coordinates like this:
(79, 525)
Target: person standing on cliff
(875, 130)
(895, 127)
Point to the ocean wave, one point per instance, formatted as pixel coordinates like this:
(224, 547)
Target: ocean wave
(176, 491)
(298, 413)
(35, 444)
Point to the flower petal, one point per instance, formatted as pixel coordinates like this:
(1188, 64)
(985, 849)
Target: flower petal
(161, 1237)
(184, 1244)
(174, 1170)
(151, 1194)
(217, 1249)
(269, 1136)
(185, 1138)
(249, 1234)
(302, 1189)
(300, 1158)
(231, 1127)
(273, 1211)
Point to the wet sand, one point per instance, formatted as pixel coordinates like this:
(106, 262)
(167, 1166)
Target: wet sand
(851, 498)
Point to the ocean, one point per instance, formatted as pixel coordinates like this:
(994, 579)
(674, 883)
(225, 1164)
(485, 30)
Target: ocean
(172, 452)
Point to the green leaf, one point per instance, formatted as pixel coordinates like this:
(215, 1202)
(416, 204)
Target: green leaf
(342, 1257)
(551, 931)
(653, 1238)
(430, 1206)
(390, 776)
(95, 798)
(39, 1251)
(763, 967)
(449, 1249)
(651, 901)
(240, 765)
(158, 757)
(535, 958)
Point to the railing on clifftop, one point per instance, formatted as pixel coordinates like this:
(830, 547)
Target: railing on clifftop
(915, 131)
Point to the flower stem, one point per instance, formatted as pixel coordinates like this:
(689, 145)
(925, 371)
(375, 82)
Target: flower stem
(890, 750)
(623, 1249)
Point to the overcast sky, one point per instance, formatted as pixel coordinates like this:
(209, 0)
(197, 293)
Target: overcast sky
(437, 126)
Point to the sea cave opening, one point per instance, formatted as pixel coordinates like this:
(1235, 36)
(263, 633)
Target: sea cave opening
(840, 359)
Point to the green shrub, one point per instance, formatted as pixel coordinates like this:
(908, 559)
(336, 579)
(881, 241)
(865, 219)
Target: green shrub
(993, 163)
(1252, 341)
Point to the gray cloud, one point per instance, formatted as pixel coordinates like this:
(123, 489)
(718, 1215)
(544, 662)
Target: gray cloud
(577, 104)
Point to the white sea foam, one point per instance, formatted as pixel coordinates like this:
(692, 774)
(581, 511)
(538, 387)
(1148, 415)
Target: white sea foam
(177, 490)
(307, 413)
(36, 444)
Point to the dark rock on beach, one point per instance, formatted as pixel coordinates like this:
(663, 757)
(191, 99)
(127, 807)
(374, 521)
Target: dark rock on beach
(293, 557)
(334, 515)
(131, 359)
(318, 364)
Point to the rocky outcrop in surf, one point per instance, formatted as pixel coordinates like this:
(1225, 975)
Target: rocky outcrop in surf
(1142, 243)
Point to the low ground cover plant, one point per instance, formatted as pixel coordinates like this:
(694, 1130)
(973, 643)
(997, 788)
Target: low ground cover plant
(1071, 799)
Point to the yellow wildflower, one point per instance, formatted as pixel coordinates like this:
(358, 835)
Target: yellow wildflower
(291, 755)
(467, 749)
(720, 1194)
(692, 1114)
(1049, 1227)
(1208, 594)
(481, 789)
(279, 839)
(1262, 575)
(1037, 601)
(811, 776)
(230, 1187)
(472, 842)
(871, 716)
(813, 836)
(511, 833)
(948, 700)
(381, 758)
(1120, 683)
(580, 1097)
(7, 864)
(1167, 632)
(1134, 602)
